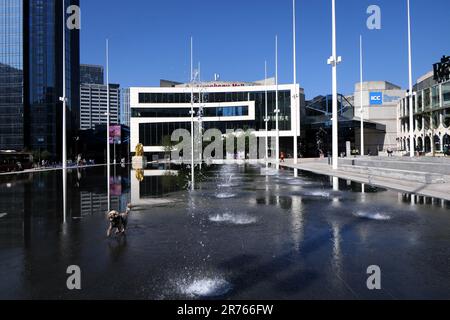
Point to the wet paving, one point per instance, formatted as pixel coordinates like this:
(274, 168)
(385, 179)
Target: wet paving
(240, 235)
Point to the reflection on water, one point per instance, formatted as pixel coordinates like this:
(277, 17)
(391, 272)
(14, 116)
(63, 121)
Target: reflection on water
(240, 234)
(239, 219)
(372, 215)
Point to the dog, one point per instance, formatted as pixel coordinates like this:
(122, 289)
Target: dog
(118, 221)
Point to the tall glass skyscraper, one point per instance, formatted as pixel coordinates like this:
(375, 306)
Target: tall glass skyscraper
(11, 75)
(91, 74)
(31, 78)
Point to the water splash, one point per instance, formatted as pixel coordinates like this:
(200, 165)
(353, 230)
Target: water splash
(203, 288)
(372, 215)
(225, 195)
(240, 219)
(299, 183)
(2, 215)
(323, 194)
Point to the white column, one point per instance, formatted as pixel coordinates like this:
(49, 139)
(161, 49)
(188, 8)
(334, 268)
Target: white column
(64, 97)
(411, 109)
(277, 110)
(334, 61)
(295, 121)
(64, 121)
(108, 146)
(361, 93)
(192, 117)
(266, 119)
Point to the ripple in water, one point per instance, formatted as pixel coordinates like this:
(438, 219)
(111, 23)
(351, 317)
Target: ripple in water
(203, 288)
(299, 183)
(372, 215)
(228, 185)
(233, 219)
(323, 194)
(225, 195)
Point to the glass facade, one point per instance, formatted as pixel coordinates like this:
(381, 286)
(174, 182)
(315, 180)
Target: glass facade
(151, 134)
(184, 112)
(431, 118)
(31, 75)
(91, 74)
(446, 93)
(125, 109)
(435, 97)
(11, 75)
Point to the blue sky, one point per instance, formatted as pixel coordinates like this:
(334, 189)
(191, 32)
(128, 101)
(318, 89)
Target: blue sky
(149, 39)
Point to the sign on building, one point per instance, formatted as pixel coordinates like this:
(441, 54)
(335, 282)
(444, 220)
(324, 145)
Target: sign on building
(442, 70)
(376, 98)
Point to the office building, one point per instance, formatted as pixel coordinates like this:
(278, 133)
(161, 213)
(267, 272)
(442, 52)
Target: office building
(125, 110)
(380, 99)
(157, 111)
(31, 75)
(91, 74)
(431, 105)
(94, 102)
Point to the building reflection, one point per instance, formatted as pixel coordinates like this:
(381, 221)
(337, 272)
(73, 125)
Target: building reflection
(154, 183)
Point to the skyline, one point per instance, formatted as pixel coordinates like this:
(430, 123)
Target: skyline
(165, 53)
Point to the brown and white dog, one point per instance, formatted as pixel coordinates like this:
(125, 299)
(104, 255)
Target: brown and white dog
(118, 221)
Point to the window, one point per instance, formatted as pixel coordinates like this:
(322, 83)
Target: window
(427, 98)
(435, 92)
(419, 101)
(446, 93)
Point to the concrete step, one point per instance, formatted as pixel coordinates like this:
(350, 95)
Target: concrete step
(442, 168)
(416, 176)
(445, 160)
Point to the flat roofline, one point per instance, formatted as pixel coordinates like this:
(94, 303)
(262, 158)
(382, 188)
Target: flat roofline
(91, 65)
(225, 88)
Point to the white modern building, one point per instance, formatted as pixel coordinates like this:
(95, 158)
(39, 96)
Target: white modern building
(431, 105)
(380, 99)
(158, 111)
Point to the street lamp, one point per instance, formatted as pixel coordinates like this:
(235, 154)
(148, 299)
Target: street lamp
(334, 60)
(361, 93)
(296, 95)
(411, 109)
(277, 110)
(63, 99)
(108, 147)
(192, 116)
(266, 117)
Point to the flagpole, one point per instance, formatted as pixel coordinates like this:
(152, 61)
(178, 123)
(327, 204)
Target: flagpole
(64, 97)
(334, 61)
(108, 146)
(277, 111)
(411, 107)
(266, 118)
(361, 92)
(192, 116)
(296, 94)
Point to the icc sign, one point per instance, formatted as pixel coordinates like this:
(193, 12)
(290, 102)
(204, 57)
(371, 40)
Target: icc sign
(376, 98)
